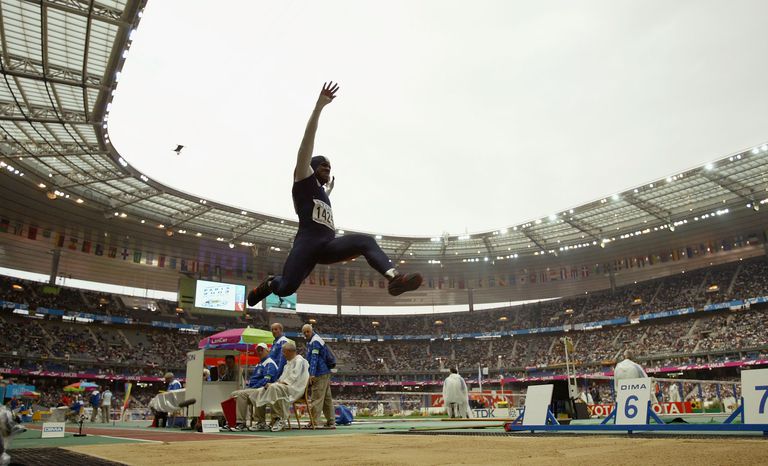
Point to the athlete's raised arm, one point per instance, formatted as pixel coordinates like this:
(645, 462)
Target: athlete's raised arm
(303, 169)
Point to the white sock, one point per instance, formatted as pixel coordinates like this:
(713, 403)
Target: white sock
(391, 273)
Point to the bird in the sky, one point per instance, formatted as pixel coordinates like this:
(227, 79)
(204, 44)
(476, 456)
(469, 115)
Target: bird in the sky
(178, 149)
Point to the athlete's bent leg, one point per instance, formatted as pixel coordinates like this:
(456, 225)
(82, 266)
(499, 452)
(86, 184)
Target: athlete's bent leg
(300, 262)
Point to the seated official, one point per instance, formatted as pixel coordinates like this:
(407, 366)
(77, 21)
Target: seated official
(629, 369)
(264, 373)
(289, 387)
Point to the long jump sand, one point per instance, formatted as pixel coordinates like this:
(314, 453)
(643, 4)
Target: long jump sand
(440, 450)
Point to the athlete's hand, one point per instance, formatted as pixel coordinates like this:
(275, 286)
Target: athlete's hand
(327, 94)
(331, 183)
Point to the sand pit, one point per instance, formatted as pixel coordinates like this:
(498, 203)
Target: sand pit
(440, 450)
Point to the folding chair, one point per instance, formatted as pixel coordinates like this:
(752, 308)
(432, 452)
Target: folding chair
(307, 402)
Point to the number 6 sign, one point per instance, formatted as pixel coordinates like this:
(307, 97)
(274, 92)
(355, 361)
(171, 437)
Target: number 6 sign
(632, 396)
(754, 390)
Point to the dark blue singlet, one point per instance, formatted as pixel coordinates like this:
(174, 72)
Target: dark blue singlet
(316, 242)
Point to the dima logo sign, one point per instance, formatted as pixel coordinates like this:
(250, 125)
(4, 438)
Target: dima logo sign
(53, 429)
(634, 386)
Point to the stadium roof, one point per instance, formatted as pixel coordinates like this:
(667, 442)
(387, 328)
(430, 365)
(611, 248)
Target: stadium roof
(61, 62)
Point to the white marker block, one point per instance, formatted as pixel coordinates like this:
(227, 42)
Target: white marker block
(537, 400)
(53, 430)
(210, 426)
(754, 390)
(632, 396)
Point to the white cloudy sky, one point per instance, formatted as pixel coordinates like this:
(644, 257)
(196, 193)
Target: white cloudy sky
(452, 116)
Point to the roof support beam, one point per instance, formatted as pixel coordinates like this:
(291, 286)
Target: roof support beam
(12, 112)
(100, 12)
(41, 149)
(400, 251)
(132, 197)
(246, 229)
(536, 239)
(584, 227)
(731, 185)
(648, 207)
(190, 214)
(488, 246)
(27, 68)
(93, 180)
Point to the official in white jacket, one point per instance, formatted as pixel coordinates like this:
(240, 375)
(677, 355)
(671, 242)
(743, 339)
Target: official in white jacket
(455, 395)
(629, 369)
(674, 393)
(288, 388)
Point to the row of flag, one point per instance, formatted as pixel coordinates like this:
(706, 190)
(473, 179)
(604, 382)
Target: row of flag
(237, 265)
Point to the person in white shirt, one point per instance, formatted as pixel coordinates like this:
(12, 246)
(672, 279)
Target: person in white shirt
(586, 397)
(455, 396)
(673, 393)
(106, 405)
(291, 386)
(629, 369)
(729, 402)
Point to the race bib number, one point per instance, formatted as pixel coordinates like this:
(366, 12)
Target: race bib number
(323, 214)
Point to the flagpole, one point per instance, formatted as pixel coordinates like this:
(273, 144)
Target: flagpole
(480, 377)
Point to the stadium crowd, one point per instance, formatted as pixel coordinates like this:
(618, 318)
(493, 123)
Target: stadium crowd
(138, 349)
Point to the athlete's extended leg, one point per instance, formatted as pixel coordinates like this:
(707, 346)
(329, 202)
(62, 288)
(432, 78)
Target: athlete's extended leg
(301, 260)
(353, 245)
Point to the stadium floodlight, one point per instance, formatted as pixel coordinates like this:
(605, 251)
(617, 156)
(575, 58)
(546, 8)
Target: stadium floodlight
(231, 245)
(755, 151)
(79, 201)
(615, 197)
(378, 236)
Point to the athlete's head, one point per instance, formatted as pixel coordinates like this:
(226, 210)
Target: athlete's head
(322, 167)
